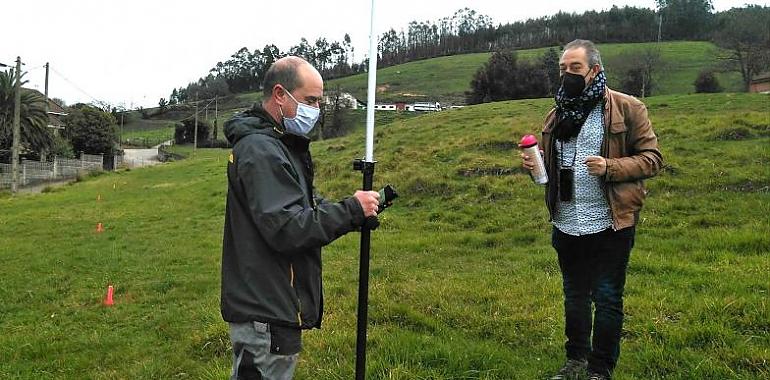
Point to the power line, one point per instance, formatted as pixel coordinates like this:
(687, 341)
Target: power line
(36, 68)
(211, 100)
(97, 101)
(101, 102)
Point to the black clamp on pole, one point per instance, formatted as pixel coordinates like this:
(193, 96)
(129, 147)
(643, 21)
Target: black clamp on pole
(367, 168)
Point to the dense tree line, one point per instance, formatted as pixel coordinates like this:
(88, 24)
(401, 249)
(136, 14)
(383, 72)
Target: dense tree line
(468, 31)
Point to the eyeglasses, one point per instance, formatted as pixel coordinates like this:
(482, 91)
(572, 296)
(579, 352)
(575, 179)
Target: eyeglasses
(309, 100)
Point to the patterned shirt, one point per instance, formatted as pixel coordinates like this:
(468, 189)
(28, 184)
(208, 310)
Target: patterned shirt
(588, 212)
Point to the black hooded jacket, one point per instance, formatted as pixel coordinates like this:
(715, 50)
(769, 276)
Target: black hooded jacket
(275, 226)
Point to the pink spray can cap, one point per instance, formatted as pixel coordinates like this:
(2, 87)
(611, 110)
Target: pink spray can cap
(528, 141)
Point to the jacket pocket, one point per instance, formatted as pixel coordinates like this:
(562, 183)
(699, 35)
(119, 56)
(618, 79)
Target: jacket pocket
(617, 140)
(285, 340)
(618, 127)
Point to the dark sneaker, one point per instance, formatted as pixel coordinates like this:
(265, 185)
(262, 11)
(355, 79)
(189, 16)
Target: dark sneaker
(597, 376)
(572, 370)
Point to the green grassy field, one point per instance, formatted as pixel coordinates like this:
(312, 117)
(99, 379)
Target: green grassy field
(445, 79)
(464, 283)
(141, 132)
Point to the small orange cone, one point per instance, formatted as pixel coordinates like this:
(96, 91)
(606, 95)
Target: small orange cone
(108, 299)
(99, 227)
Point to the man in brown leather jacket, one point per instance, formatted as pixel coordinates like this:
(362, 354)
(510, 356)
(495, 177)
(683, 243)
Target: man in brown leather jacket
(598, 146)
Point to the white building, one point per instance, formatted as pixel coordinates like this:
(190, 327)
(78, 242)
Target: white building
(347, 100)
(427, 106)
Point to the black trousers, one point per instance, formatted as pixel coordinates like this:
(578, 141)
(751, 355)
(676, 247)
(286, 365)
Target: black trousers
(593, 269)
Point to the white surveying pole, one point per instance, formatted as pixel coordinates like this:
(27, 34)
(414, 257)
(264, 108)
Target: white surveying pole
(371, 90)
(366, 166)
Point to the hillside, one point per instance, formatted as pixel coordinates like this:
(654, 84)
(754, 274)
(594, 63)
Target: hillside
(447, 78)
(464, 282)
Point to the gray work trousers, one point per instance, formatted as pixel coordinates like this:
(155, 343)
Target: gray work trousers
(252, 356)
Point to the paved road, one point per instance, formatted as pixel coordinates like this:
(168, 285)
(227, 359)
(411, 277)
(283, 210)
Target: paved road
(135, 158)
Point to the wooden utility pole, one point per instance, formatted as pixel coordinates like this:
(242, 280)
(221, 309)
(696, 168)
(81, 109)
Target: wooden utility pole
(195, 137)
(43, 152)
(46, 87)
(120, 137)
(16, 130)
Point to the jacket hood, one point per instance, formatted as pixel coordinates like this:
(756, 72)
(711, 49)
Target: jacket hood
(253, 121)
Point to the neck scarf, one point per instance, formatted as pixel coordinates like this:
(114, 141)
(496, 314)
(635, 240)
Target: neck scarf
(571, 113)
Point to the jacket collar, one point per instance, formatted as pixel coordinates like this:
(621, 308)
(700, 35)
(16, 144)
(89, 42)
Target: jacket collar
(294, 142)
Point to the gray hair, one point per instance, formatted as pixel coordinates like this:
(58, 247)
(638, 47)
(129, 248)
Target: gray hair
(592, 53)
(284, 72)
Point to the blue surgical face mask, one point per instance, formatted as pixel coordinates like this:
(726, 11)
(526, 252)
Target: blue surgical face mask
(304, 121)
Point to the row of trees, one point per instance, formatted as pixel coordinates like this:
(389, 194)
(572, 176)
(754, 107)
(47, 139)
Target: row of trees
(742, 30)
(89, 129)
(245, 70)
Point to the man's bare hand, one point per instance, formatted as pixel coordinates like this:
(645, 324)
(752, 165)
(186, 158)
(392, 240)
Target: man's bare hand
(597, 165)
(369, 201)
(528, 162)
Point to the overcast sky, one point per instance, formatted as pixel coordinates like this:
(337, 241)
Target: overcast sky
(133, 53)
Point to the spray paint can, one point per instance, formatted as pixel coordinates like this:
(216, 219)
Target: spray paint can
(529, 146)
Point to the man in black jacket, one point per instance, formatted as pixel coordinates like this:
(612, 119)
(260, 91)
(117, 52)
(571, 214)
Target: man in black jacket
(275, 224)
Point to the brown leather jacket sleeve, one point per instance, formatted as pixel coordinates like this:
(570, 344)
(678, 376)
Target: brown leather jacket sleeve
(643, 158)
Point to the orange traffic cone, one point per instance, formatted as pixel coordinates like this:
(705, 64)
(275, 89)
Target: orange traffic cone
(99, 227)
(108, 299)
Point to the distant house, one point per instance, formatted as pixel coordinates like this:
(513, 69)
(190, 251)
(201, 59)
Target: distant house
(760, 83)
(55, 115)
(346, 101)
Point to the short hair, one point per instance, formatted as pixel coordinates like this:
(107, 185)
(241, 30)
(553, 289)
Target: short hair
(592, 53)
(284, 72)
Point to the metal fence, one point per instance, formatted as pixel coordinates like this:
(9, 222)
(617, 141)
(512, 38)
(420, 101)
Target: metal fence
(33, 172)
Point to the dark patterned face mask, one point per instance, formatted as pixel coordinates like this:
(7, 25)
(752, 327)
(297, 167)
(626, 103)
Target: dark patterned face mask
(573, 84)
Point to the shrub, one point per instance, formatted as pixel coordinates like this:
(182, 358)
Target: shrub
(707, 82)
(504, 78)
(184, 133)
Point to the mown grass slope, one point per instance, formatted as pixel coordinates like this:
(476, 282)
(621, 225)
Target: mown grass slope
(464, 283)
(445, 79)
